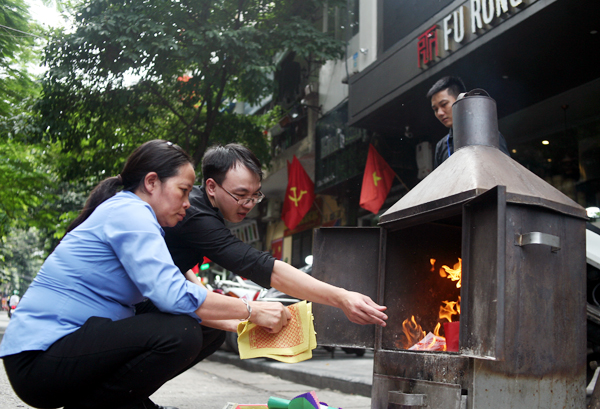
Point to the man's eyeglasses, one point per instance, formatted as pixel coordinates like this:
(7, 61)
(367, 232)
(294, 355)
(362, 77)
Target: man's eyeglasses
(243, 201)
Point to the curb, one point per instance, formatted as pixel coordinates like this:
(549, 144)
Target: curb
(301, 376)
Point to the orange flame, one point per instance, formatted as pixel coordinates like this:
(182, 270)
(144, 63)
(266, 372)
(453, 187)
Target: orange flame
(413, 332)
(454, 274)
(449, 309)
(436, 332)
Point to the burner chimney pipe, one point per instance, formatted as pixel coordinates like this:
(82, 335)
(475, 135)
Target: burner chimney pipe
(475, 121)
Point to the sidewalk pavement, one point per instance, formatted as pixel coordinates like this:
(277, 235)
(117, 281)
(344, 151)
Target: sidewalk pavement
(339, 371)
(342, 381)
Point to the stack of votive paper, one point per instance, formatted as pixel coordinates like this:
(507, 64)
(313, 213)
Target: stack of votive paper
(294, 343)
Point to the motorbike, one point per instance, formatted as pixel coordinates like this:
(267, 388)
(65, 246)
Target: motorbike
(236, 286)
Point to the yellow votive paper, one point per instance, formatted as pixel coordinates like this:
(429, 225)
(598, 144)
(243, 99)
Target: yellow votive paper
(294, 343)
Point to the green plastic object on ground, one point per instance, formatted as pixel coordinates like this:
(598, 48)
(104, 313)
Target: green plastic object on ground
(305, 401)
(278, 403)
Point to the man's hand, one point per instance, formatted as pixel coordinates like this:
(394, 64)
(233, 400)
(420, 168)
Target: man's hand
(360, 309)
(272, 316)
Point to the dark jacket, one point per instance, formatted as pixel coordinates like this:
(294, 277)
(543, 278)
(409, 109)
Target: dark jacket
(445, 147)
(203, 233)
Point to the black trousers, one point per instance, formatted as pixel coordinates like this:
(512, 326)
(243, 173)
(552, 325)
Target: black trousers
(111, 364)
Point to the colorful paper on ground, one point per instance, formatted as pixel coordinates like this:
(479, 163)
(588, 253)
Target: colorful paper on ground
(294, 343)
(307, 400)
(231, 405)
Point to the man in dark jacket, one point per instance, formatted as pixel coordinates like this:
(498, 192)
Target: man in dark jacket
(232, 181)
(443, 94)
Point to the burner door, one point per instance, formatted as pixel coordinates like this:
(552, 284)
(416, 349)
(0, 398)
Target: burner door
(346, 257)
(484, 247)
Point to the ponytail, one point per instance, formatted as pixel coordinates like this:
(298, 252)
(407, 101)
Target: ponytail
(162, 157)
(103, 191)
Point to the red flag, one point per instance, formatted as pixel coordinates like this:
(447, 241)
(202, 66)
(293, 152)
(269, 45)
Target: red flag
(277, 248)
(377, 182)
(299, 195)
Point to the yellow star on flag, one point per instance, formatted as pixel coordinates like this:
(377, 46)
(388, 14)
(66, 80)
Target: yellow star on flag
(375, 178)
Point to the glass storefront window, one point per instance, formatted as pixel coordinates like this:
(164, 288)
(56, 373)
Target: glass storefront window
(301, 247)
(342, 22)
(568, 159)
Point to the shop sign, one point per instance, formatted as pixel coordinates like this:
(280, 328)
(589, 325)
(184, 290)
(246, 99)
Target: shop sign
(464, 24)
(248, 232)
(428, 45)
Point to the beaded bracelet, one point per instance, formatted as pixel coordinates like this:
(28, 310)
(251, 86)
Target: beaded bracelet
(248, 307)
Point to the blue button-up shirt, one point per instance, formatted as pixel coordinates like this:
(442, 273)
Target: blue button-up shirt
(110, 262)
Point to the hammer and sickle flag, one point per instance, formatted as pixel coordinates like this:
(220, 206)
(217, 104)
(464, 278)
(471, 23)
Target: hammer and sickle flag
(299, 195)
(377, 182)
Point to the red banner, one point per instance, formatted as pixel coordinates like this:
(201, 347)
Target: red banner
(299, 195)
(277, 248)
(377, 182)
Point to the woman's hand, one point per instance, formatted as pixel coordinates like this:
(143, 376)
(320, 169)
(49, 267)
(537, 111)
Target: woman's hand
(360, 309)
(272, 316)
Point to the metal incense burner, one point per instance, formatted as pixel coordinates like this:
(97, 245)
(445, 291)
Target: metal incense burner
(521, 243)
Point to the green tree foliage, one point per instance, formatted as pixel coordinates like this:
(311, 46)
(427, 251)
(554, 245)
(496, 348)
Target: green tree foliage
(25, 167)
(35, 208)
(31, 200)
(135, 70)
(21, 258)
(17, 35)
(28, 186)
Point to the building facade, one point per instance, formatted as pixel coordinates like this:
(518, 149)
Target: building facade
(534, 57)
(531, 56)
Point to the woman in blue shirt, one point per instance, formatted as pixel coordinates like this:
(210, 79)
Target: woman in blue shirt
(75, 340)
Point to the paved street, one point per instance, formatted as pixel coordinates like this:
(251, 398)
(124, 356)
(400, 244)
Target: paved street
(211, 384)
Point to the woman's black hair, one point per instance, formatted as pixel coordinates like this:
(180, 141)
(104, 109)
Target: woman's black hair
(218, 160)
(162, 157)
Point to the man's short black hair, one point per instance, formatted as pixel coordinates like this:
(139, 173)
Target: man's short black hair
(454, 85)
(219, 159)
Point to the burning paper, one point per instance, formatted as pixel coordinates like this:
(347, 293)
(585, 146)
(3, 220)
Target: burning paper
(415, 338)
(412, 331)
(430, 343)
